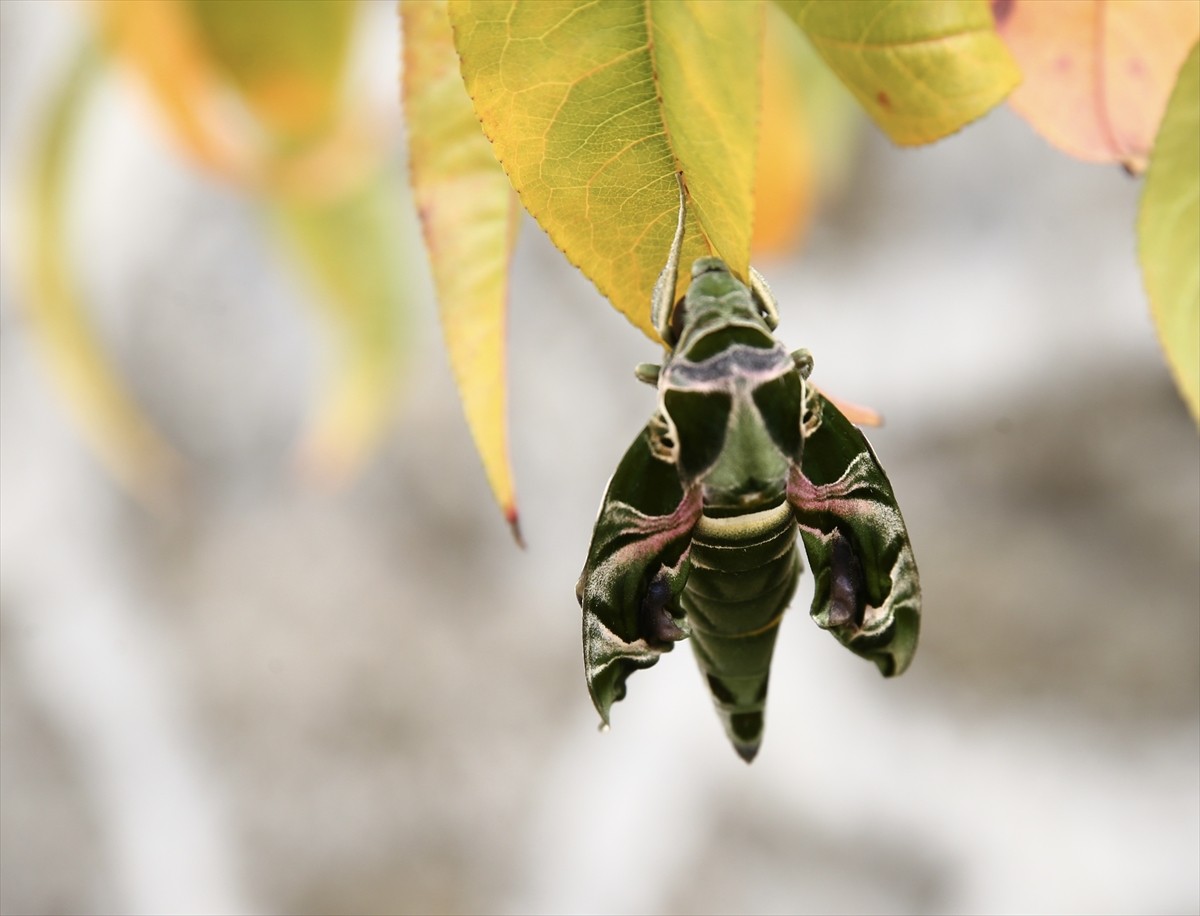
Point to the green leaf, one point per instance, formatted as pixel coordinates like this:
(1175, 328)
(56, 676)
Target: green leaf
(591, 108)
(921, 68)
(1169, 232)
(469, 217)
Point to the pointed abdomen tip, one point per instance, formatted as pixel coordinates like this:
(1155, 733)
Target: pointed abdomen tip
(747, 751)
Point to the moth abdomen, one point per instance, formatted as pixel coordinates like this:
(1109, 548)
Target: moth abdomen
(743, 575)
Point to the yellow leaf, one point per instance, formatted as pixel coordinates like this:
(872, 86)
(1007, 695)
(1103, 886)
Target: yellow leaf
(126, 443)
(1097, 72)
(705, 59)
(1169, 232)
(468, 214)
(354, 249)
(922, 69)
(591, 108)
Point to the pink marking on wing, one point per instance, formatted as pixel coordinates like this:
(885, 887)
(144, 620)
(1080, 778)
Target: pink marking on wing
(832, 497)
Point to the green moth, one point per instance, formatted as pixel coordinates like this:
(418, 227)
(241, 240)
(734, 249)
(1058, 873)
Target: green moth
(696, 535)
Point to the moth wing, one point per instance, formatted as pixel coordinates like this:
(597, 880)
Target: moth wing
(867, 590)
(636, 567)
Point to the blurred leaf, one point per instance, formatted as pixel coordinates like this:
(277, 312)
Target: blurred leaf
(300, 148)
(353, 248)
(252, 88)
(161, 42)
(591, 108)
(785, 175)
(1169, 232)
(288, 59)
(808, 127)
(921, 68)
(127, 444)
(469, 217)
(1097, 74)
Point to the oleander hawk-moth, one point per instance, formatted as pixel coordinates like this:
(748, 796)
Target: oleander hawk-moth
(696, 535)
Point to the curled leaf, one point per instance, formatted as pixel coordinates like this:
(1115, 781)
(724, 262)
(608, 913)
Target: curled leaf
(922, 69)
(1097, 72)
(591, 109)
(1169, 232)
(469, 217)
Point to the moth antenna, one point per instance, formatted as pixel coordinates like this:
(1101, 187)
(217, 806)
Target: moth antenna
(664, 289)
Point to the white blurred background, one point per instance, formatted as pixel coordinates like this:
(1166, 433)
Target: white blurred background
(288, 698)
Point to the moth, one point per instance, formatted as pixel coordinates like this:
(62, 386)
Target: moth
(697, 532)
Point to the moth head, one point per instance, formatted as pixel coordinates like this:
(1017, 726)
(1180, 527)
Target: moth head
(718, 310)
(712, 282)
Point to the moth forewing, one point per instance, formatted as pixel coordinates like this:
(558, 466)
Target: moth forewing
(867, 591)
(636, 566)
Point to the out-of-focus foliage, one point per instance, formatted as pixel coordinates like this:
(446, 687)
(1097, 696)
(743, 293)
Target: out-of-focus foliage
(256, 92)
(351, 246)
(129, 447)
(1169, 232)
(469, 216)
(808, 128)
(920, 70)
(286, 59)
(1097, 72)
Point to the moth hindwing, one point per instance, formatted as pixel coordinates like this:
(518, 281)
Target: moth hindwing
(697, 533)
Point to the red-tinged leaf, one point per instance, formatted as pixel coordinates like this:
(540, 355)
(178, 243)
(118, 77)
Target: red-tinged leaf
(1097, 72)
(468, 214)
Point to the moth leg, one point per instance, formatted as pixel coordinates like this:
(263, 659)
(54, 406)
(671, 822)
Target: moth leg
(767, 305)
(648, 373)
(803, 361)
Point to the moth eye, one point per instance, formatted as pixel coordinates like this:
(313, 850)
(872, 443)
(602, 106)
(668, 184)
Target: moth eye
(700, 420)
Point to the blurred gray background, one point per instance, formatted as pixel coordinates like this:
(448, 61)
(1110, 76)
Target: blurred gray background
(289, 699)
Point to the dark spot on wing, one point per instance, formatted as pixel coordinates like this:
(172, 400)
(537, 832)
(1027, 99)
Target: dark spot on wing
(658, 627)
(846, 587)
